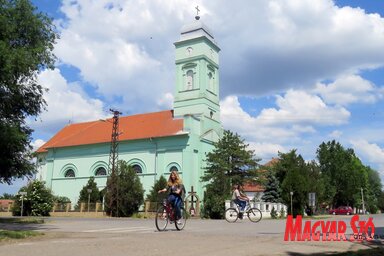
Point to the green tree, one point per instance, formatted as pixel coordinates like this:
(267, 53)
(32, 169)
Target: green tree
(125, 193)
(373, 190)
(27, 38)
(344, 172)
(272, 189)
(37, 202)
(380, 201)
(293, 172)
(317, 184)
(8, 196)
(94, 195)
(229, 163)
(153, 195)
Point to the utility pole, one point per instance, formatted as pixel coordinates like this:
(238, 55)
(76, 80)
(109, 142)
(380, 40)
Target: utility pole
(362, 199)
(113, 159)
(22, 202)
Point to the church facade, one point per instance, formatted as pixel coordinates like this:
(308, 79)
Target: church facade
(154, 144)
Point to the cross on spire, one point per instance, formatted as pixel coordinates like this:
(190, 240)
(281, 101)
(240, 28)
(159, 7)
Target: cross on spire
(197, 17)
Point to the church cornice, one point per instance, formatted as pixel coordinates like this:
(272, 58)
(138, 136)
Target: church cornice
(197, 57)
(197, 40)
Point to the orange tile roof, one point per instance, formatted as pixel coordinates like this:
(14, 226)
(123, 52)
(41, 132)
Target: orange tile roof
(251, 187)
(141, 126)
(5, 202)
(272, 162)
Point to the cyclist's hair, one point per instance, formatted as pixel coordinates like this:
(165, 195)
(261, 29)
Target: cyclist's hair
(177, 181)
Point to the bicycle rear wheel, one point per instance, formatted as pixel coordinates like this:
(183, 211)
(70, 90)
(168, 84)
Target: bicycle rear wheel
(180, 223)
(254, 215)
(161, 218)
(231, 215)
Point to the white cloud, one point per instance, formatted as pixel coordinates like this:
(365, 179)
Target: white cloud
(64, 105)
(283, 44)
(129, 49)
(166, 100)
(371, 151)
(296, 114)
(335, 134)
(37, 144)
(127, 52)
(301, 107)
(266, 150)
(349, 89)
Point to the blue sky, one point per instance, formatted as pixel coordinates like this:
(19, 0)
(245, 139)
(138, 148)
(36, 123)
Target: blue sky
(293, 74)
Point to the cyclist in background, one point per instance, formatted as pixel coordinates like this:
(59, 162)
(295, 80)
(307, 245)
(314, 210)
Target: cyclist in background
(176, 191)
(240, 199)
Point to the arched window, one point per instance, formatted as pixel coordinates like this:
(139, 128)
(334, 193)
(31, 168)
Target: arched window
(174, 168)
(137, 168)
(101, 171)
(189, 80)
(70, 173)
(210, 81)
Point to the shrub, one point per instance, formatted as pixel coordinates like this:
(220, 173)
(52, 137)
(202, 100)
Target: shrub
(37, 202)
(273, 213)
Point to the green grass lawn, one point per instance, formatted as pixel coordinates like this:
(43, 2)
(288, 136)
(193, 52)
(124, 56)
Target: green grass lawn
(26, 220)
(19, 234)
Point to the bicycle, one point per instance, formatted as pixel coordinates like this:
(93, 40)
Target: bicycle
(232, 213)
(166, 214)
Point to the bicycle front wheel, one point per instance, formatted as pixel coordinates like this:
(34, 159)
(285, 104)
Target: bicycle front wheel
(180, 223)
(254, 215)
(161, 218)
(231, 215)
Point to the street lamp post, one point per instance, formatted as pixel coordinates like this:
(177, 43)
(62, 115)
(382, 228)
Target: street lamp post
(362, 199)
(89, 196)
(291, 193)
(22, 202)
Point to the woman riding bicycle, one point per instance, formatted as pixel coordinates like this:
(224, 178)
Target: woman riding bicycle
(176, 191)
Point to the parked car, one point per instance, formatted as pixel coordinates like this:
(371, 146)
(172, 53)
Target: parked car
(341, 210)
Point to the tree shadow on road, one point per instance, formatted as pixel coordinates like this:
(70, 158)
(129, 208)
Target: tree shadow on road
(376, 248)
(379, 251)
(22, 223)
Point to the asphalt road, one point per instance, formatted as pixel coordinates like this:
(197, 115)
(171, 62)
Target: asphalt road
(126, 236)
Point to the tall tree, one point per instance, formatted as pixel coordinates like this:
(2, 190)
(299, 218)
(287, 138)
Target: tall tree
(129, 192)
(272, 189)
(231, 158)
(372, 192)
(93, 195)
(317, 184)
(229, 163)
(344, 172)
(27, 38)
(153, 195)
(292, 171)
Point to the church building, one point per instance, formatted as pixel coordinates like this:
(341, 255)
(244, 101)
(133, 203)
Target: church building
(155, 143)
